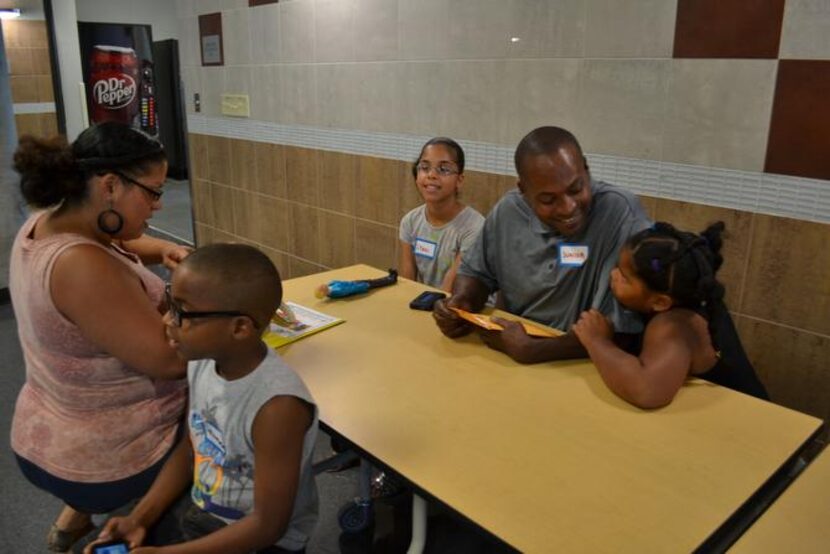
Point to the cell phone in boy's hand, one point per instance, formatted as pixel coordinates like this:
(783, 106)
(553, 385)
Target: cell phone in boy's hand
(111, 547)
(426, 300)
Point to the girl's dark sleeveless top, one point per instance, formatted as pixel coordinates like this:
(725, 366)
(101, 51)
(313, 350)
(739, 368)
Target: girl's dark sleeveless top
(733, 369)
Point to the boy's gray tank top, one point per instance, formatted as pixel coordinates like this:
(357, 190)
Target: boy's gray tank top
(220, 419)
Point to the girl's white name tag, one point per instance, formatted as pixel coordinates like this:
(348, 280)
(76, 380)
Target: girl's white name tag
(425, 248)
(573, 255)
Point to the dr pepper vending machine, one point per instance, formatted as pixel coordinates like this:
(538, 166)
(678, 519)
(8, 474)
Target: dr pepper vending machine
(117, 62)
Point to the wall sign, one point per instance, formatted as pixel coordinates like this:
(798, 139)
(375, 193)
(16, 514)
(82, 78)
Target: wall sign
(210, 39)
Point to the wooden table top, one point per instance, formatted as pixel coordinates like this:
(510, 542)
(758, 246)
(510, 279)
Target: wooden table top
(543, 456)
(799, 521)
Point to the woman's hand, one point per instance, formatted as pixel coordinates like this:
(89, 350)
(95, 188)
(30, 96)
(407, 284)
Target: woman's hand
(592, 325)
(173, 255)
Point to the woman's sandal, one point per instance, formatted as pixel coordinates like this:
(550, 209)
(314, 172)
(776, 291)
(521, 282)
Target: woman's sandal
(59, 540)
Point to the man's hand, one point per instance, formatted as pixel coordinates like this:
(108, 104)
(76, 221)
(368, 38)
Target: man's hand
(592, 325)
(126, 528)
(513, 341)
(174, 254)
(448, 321)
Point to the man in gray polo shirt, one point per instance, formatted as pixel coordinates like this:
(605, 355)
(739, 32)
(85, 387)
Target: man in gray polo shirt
(549, 248)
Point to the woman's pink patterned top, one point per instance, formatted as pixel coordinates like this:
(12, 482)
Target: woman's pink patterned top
(82, 415)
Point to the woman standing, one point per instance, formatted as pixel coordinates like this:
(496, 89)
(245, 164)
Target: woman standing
(103, 395)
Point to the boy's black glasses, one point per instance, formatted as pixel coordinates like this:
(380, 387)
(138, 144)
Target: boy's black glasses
(155, 194)
(179, 315)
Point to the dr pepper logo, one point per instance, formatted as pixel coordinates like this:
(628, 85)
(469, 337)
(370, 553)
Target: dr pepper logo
(114, 92)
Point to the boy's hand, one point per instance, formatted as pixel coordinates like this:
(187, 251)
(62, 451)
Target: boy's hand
(513, 341)
(126, 528)
(448, 321)
(592, 325)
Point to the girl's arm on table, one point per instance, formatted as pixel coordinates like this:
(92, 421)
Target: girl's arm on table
(650, 380)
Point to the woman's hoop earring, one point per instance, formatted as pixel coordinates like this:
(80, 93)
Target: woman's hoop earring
(110, 221)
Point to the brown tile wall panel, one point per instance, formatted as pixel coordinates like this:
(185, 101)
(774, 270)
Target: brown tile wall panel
(262, 219)
(222, 204)
(202, 204)
(204, 234)
(24, 88)
(799, 136)
(243, 164)
(197, 145)
(696, 217)
(20, 61)
(408, 195)
(337, 240)
(222, 236)
(787, 273)
(218, 160)
(481, 190)
(48, 124)
(280, 260)
(376, 245)
(728, 28)
(25, 33)
(300, 268)
(338, 181)
(40, 61)
(270, 169)
(305, 232)
(378, 189)
(27, 124)
(649, 205)
(245, 221)
(276, 224)
(45, 91)
(37, 124)
(301, 175)
(791, 363)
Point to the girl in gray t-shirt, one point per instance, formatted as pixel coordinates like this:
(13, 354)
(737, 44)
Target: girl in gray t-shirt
(435, 234)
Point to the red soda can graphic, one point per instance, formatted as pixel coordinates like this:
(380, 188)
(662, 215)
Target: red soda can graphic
(114, 84)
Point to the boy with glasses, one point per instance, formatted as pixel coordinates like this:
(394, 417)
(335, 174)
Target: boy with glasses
(252, 422)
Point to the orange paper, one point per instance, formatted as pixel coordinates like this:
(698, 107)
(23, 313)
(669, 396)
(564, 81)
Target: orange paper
(484, 321)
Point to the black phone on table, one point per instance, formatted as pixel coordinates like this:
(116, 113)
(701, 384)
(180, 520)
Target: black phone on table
(426, 300)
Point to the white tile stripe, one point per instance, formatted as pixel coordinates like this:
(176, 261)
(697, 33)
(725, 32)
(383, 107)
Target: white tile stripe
(781, 195)
(34, 107)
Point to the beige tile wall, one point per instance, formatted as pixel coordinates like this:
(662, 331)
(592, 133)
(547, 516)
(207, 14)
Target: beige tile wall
(491, 70)
(312, 210)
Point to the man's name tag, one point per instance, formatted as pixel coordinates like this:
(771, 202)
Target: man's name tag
(573, 255)
(425, 248)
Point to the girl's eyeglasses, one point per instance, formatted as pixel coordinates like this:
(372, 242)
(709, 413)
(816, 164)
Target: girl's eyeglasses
(443, 170)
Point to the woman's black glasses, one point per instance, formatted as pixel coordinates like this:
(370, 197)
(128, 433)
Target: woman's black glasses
(155, 194)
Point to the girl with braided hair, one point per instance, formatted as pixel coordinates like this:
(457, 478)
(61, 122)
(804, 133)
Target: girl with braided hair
(669, 276)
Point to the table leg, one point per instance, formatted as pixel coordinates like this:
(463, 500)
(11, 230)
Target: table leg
(419, 525)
